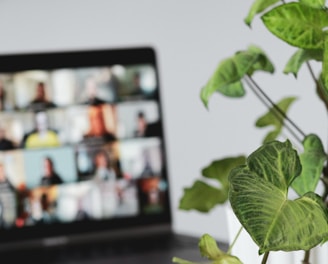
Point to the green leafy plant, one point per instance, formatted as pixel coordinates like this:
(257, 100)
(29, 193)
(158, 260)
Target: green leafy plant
(257, 186)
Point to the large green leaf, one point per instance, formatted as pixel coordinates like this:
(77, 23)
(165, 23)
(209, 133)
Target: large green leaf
(312, 160)
(202, 197)
(301, 56)
(227, 77)
(210, 250)
(297, 24)
(259, 198)
(273, 118)
(314, 3)
(257, 7)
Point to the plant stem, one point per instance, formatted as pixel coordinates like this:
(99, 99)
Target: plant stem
(265, 257)
(235, 239)
(306, 259)
(319, 85)
(312, 74)
(325, 193)
(324, 180)
(265, 99)
(276, 107)
(321, 94)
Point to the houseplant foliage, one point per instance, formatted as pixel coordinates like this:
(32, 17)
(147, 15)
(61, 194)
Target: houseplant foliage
(257, 186)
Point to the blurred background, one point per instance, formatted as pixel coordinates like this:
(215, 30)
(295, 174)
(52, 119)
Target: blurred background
(190, 38)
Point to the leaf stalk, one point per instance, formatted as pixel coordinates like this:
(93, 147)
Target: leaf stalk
(235, 240)
(265, 257)
(306, 257)
(266, 100)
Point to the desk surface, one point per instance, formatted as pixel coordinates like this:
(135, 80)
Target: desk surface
(153, 249)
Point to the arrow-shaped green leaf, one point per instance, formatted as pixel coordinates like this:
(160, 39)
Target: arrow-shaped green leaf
(258, 196)
(262, 63)
(235, 89)
(299, 57)
(202, 196)
(273, 118)
(312, 160)
(227, 77)
(209, 249)
(220, 169)
(257, 7)
(297, 24)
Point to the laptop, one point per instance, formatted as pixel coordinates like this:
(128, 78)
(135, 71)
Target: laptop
(83, 168)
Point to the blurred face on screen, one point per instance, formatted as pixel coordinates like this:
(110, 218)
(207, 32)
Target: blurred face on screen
(101, 160)
(91, 88)
(97, 124)
(141, 124)
(48, 167)
(2, 173)
(2, 133)
(40, 92)
(2, 89)
(136, 80)
(41, 121)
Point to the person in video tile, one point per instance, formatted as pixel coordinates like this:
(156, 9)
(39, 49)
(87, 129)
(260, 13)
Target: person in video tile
(145, 129)
(2, 96)
(151, 195)
(137, 90)
(92, 92)
(50, 176)
(44, 210)
(97, 124)
(42, 135)
(5, 143)
(141, 125)
(40, 100)
(104, 171)
(7, 199)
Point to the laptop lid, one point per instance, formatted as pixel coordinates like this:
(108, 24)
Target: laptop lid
(82, 147)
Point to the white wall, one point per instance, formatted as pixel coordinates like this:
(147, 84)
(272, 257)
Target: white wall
(191, 37)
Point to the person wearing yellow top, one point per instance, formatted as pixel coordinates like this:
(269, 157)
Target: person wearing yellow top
(42, 136)
(45, 139)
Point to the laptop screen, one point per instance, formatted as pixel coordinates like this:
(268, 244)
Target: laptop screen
(81, 143)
